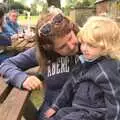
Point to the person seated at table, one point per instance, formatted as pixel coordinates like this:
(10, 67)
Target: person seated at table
(11, 25)
(5, 40)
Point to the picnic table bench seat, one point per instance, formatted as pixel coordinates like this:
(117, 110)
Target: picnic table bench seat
(15, 103)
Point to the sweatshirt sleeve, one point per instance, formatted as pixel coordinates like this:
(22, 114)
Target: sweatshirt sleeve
(65, 95)
(12, 69)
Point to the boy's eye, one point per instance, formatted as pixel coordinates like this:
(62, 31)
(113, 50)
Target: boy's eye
(90, 45)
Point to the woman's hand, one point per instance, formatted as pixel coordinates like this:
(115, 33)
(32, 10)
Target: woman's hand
(32, 83)
(50, 112)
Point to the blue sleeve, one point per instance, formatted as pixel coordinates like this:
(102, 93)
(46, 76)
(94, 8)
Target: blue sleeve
(13, 68)
(8, 30)
(4, 40)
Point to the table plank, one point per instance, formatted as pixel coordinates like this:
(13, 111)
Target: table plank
(4, 90)
(12, 107)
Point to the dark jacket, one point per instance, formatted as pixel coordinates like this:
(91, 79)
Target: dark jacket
(5, 41)
(94, 87)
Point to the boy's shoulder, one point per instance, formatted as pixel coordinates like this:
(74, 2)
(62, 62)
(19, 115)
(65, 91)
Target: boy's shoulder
(110, 66)
(110, 63)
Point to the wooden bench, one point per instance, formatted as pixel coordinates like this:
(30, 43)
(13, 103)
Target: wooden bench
(15, 103)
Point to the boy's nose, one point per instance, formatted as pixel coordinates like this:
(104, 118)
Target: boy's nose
(84, 47)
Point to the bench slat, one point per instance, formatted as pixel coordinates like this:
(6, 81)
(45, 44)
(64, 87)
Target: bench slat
(11, 108)
(4, 90)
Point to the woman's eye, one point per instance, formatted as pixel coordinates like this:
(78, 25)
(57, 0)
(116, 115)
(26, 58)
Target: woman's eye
(88, 44)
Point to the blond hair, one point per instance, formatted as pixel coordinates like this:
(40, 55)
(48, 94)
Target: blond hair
(102, 32)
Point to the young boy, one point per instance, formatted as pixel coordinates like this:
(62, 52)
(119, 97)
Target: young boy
(94, 84)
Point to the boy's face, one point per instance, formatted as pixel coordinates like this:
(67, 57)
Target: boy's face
(90, 52)
(67, 45)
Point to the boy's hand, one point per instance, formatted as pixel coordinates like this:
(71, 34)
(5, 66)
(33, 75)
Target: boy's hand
(32, 83)
(50, 112)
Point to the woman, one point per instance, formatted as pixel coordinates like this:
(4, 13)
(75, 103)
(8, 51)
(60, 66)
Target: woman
(55, 52)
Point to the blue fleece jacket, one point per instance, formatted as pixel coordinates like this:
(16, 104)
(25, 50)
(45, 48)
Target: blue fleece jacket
(54, 78)
(12, 67)
(11, 28)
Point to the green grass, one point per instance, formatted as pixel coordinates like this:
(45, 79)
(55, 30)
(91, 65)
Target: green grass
(23, 21)
(37, 97)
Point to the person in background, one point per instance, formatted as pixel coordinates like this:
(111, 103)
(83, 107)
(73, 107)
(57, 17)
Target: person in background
(11, 25)
(55, 53)
(94, 83)
(102, 8)
(5, 40)
(2, 27)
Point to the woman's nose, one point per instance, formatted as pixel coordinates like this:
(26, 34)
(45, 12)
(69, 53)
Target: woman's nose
(71, 44)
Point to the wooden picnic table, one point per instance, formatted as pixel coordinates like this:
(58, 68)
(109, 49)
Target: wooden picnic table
(22, 44)
(15, 103)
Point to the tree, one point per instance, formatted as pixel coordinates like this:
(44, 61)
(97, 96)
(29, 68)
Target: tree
(33, 9)
(38, 6)
(4, 1)
(18, 6)
(56, 3)
(86, 3)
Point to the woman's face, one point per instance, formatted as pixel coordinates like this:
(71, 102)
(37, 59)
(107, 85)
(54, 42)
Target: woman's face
(67, 45)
